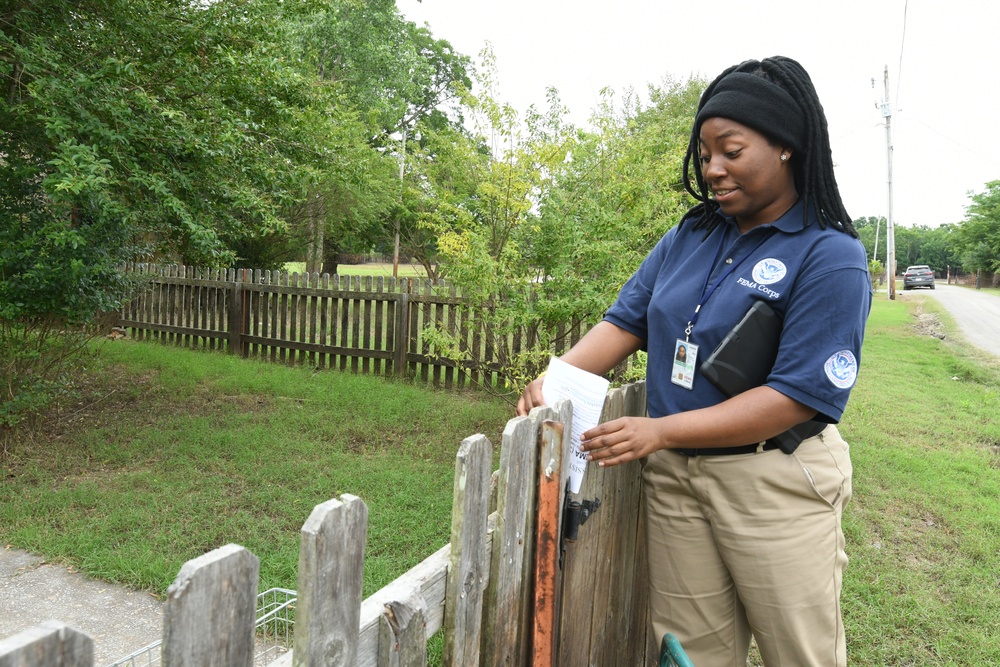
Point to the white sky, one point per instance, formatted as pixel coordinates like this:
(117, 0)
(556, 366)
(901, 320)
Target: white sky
(944, 89)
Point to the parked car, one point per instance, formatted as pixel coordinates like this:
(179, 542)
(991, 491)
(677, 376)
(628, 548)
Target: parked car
(918, 276)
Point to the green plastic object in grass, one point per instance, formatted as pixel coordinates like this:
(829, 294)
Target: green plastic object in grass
(672, 654)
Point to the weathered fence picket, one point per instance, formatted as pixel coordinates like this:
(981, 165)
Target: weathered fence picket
(403, 634)
(477, 588)
(505, 619)
(468, 568)
(210, 610)
(331, 567)
(49, 644)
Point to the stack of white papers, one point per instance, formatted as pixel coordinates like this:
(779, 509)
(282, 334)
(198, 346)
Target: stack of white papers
(586, 392)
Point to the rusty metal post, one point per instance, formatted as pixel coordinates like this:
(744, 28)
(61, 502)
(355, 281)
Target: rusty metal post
(547, 545)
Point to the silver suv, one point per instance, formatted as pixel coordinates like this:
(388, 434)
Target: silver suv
(918, 276)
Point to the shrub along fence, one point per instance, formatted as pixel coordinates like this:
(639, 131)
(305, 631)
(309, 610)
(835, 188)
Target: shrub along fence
(362, 323)
(483, 589)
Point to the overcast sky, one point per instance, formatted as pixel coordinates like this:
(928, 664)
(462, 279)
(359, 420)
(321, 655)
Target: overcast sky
(942, 74)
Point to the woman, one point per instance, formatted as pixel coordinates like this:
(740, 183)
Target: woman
(743, 538)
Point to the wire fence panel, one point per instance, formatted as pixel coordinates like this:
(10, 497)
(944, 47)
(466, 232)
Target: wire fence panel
(274, 625)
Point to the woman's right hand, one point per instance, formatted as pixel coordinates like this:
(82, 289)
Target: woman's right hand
(531, 397)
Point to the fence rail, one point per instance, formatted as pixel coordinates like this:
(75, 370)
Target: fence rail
(362, 323)
(477, 589)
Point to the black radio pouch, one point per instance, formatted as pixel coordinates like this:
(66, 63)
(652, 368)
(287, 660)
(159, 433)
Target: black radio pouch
(743, 360)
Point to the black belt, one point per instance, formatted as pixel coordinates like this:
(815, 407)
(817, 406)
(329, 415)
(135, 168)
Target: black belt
(727, 451)
(802, 431)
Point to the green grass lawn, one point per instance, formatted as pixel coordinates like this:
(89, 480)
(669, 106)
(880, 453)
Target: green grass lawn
(923, 529)
(170, 453)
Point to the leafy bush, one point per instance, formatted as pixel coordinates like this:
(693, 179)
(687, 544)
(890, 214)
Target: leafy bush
(36, 367)
(58, 274)
(877, 271)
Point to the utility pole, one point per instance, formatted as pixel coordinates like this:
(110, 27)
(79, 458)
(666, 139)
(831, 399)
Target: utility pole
(890, 234)
(878, 228)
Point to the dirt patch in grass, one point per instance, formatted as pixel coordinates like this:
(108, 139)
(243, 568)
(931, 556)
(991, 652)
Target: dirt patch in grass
(95, 399)
(925, 323)
(994, 455)
(116, 399)
(929, 324)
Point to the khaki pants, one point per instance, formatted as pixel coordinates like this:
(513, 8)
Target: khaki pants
(750, 543)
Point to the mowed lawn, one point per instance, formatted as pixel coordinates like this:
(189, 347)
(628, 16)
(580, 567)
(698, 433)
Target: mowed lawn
(169, 453)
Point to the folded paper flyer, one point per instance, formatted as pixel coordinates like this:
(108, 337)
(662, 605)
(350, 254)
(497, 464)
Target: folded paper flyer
(586, 392)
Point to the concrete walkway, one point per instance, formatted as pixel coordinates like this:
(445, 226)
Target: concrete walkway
(32, 591)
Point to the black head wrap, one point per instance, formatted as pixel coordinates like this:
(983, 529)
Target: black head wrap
(775, 97)
(758, 104)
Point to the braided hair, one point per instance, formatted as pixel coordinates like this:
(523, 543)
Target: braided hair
(812, 164)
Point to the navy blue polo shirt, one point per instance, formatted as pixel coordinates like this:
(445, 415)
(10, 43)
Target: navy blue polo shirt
(815, 279)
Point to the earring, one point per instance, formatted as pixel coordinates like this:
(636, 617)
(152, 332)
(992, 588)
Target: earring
(783, 157)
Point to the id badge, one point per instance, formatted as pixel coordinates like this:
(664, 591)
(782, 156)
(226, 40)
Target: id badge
(685, 358)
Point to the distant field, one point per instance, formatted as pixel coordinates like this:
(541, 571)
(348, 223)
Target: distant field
(371, 269)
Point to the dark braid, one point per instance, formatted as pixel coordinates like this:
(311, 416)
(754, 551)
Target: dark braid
(813, 165)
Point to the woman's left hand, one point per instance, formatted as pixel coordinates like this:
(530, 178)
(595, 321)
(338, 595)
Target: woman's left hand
(622, 440)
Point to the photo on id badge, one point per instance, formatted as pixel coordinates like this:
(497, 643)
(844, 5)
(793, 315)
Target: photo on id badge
(685, 357)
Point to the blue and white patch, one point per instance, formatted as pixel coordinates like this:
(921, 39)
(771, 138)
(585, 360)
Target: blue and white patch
(842, 369)
(769, 271)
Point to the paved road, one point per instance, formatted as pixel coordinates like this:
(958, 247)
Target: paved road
(977, 314)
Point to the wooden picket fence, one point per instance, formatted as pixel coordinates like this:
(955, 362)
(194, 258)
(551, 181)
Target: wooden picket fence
(361, 323)
(478, 589)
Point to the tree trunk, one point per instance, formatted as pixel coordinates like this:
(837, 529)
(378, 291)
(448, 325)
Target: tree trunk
(316, 229)
(430, 268)
(331, 255)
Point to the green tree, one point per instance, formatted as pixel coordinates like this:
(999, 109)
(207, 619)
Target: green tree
(396, 76)
(977, 238)
(937, 249)
(476, 195)
(131, 128)
(877, 271)
(606, 206)
(914, 245)
(908, 241)
(184, 119)
(548, 221)
(441, 179)
(871, 230)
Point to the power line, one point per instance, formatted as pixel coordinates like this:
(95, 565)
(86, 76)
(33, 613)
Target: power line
(973, 151)
(902, 42)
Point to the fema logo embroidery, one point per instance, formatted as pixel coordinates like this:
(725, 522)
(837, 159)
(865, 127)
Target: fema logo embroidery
(842, 369)
(769, 271)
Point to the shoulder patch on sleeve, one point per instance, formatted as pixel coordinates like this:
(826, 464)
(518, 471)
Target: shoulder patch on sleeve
(842, 369)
